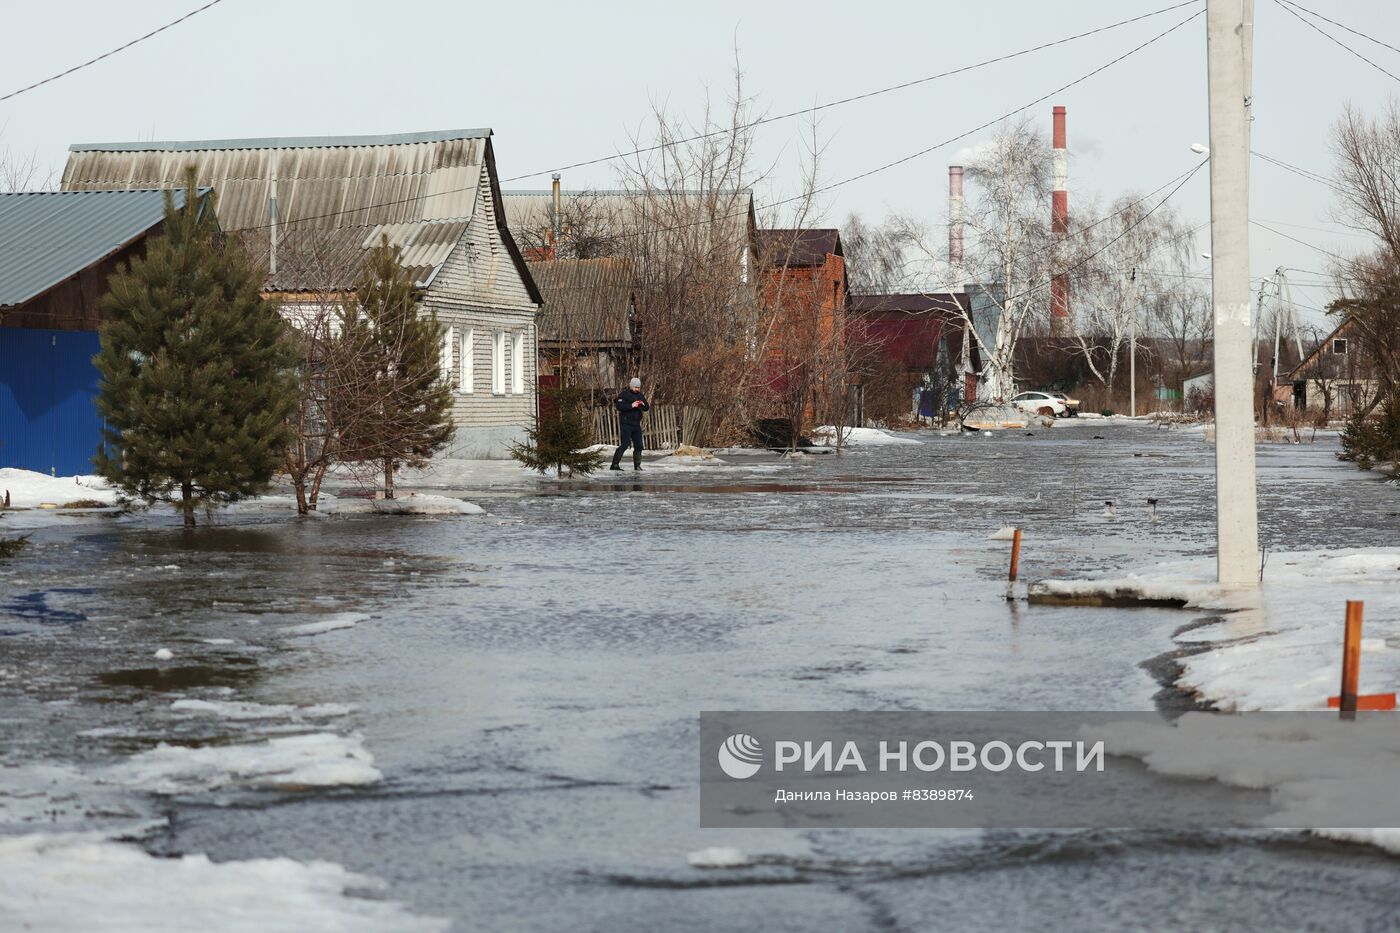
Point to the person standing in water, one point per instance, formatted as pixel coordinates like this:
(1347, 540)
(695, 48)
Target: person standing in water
(630, 404)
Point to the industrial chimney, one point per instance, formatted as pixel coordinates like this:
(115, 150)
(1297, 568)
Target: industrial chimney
(1059, 227)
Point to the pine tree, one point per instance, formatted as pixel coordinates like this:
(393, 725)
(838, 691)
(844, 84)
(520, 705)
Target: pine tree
(1374, 440)
(410, 412)
(559, 435)
(196, 378)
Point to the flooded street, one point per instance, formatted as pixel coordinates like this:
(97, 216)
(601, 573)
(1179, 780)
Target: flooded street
(528, 682)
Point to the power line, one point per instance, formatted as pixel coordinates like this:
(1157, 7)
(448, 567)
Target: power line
(847, 100)
(1350, 233)
(846, 181)
(1301, 172)
(122, 48)
(1183, 177)
(1316, 28)
(1354, 32)
(1296, 240)
(1126, 230)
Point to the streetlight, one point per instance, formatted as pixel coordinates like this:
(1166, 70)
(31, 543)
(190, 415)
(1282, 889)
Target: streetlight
(1200, 149)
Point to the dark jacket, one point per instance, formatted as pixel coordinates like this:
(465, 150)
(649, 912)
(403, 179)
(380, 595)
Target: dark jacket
(626, 413)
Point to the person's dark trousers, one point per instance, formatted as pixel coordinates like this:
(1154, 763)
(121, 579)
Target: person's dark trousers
(631, 436)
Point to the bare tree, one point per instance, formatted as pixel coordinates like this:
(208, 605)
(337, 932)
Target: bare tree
(1368, 188)
(1010, 246)
(21, 172)
(875, 256)
(1116, 264)
(1179, 312)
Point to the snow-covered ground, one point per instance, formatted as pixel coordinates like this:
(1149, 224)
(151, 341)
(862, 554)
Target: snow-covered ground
(69, 881)
(30, 490)
(1278, 648)
(858, 437)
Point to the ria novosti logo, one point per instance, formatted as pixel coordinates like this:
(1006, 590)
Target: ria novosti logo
(740, 756)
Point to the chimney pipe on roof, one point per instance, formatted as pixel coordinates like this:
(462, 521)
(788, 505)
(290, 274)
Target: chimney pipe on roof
(955, 225)
(1059, 226)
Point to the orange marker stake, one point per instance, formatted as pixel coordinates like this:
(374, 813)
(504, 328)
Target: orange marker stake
(1351, 658)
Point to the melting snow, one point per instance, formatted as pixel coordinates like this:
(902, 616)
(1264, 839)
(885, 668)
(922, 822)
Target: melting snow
(82, 881)
(718, 857)
(328, 624)
(284, 763)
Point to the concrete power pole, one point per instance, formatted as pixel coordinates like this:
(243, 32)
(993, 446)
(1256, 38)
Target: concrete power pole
(1229, 35)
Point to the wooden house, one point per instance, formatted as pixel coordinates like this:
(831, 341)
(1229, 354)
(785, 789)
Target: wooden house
(310, 209)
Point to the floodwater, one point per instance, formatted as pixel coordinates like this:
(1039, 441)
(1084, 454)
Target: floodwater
(529, 681)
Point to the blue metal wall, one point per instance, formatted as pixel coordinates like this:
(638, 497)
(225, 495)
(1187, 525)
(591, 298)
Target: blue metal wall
(48, 421)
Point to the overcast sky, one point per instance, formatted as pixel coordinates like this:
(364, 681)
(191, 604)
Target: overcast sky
(564, 82)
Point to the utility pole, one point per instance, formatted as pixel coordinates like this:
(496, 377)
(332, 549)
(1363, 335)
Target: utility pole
(1132, 343)
(1229, 38)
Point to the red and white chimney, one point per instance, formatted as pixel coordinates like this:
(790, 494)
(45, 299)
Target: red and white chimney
(955, 227)
(1059, 227)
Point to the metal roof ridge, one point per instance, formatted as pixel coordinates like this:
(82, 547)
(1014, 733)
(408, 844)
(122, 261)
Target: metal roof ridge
(284, 142)
(201, 190)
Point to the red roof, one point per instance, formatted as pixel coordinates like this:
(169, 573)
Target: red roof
(805, 247)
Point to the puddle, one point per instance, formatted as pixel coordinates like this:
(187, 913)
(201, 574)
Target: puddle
(30, 609)
(233, 673)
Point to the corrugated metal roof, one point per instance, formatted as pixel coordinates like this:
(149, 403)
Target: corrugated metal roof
(331, 260)
(335, 194)
(283, 142)
(919, 303)
(808, 246)
(586, 301)
(49, 236)
(324, 187)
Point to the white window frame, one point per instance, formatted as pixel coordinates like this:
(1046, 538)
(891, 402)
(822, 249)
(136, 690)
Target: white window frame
(449, 338)
(465, 376)
(498, 363)
(517, 364)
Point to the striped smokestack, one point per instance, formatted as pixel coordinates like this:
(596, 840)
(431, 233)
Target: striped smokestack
(955, 225)
(1059, 226)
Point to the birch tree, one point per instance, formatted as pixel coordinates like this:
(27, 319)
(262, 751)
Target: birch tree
(1009, 247)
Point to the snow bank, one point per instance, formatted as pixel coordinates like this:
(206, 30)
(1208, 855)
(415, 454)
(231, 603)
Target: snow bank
(329, 624)
(285, 763)
(29, 490)
(1279, 647)
(411, 504)
(718, 857)
(58, 882)
(240, 710)
(1314, 767)
(858, 437)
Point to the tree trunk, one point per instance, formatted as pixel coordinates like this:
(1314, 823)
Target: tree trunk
(299, 485)
(187, 500)
(388, 478)
(318, 474)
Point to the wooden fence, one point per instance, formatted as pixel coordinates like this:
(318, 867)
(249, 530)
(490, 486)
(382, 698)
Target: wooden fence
(665, 427)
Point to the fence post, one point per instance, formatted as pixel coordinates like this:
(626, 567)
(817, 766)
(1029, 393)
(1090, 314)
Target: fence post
(1351, 658)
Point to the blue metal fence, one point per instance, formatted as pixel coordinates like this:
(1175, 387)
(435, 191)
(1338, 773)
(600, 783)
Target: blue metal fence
(48, 422)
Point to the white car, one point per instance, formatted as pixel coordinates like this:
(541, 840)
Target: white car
(1039, 403)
